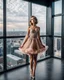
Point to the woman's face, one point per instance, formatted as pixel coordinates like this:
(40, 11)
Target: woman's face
(32, 20)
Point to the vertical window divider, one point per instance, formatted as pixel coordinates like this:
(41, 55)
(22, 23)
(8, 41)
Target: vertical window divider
(62, 40)
(53, 16)
(52, 30)
(29, 15)
(4, 36)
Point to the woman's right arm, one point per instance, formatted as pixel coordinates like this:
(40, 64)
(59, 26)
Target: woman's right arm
(26, 37)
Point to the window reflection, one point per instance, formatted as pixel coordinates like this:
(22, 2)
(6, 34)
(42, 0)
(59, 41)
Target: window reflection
(17, 17)
(1, 17)
(43, 54)
(14, 56)
(40, 13)
(57, 47)
(1, 55)
(57, 25)
(58, 7)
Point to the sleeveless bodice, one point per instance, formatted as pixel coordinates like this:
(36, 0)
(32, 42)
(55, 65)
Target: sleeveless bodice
(33, 33)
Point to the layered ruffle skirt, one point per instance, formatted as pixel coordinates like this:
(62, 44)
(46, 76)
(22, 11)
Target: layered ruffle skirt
(33, 46)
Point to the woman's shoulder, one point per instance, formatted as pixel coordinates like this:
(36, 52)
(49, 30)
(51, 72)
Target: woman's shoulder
(38, 27)
(28, 27)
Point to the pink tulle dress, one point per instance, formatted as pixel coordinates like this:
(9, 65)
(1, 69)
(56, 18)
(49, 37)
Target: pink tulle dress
(33, 45)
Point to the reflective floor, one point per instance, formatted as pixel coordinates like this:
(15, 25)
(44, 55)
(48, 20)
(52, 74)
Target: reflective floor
(50, 69)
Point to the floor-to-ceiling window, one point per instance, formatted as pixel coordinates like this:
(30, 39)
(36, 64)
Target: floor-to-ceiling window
(57, 17)
(18, 13)
(1, 35)
(40, 12)
(17, 25)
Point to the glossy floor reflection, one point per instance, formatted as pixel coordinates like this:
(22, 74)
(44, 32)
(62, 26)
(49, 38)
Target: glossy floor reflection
(50, 69)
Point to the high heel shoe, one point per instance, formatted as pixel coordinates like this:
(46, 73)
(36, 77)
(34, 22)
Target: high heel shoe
(33, 77)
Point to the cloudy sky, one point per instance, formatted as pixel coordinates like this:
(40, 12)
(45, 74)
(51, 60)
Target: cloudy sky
(17, 15)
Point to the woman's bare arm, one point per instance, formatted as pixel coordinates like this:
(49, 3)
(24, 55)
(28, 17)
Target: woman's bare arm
(26, 37)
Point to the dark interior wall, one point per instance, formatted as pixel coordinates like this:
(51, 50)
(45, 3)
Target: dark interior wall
(41, 2)
(49, 39)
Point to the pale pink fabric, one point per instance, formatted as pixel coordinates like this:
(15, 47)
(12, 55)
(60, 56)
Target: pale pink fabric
(33, 44)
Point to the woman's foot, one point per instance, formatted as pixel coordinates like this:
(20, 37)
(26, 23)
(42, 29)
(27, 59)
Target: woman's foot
(33, 77)
(31, 73)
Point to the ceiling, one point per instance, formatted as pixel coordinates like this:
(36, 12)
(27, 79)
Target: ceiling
(41, 2)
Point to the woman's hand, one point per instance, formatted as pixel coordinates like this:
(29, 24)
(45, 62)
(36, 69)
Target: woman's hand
(21, 46)
(42, 45)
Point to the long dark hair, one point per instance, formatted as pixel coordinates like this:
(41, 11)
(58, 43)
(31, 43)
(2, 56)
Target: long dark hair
(36, 21)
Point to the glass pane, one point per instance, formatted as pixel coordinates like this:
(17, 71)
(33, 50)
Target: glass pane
(58, 7)
(40, 12)
(1, 55)
(1, 17)
(57, 47)
(57, 25)
(14, 56)
(17, 17)
(41, 56)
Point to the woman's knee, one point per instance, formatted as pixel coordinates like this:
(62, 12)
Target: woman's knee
(31, 58)
(35, 58)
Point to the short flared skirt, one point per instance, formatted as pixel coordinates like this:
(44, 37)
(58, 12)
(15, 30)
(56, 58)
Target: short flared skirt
(33, 46)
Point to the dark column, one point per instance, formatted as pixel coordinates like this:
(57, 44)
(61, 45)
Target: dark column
(49, 30)
(4, 35)
(29, 15)
(62, 48)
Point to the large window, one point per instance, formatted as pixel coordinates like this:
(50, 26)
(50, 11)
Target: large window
(17, 17)
(17, 25)
(57, 25)
(1, 34)
(1, 55)
(1, 17)
(58, 7)
(57, 28)
(57, 47)
(14, 56)
(40, 12)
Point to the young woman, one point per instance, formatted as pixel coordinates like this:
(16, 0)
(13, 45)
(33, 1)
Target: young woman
(32, 44)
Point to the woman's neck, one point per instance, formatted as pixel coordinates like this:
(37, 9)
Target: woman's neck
(33, 25)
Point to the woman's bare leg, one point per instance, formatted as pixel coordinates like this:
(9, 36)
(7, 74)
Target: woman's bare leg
(31, 64)
(35, 63)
